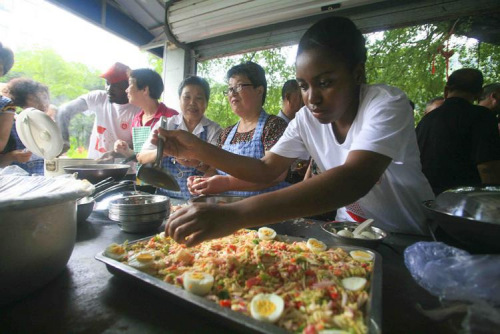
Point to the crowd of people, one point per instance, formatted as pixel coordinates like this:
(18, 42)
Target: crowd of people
(338, 144)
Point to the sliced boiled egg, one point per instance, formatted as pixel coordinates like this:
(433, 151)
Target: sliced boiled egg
(345, 233)
(354, 283)
(197, 282)
(267, 307)
(361, 255)
(368, 235)
(316, 245)
(266, 233)
(162, 235)
(115, 252)
(143, 261)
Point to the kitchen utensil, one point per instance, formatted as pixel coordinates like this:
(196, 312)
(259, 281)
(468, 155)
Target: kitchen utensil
(129, 159)
(38, 223)
(39, 133)
(333, 227)
(470, 215)
(154, 174)
(98, 172)
(84, 208)
(139, 213)
(237, 320)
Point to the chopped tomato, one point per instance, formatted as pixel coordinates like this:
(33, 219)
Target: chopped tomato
(217, 247)
(253, 281)
(232, 247)
(298, 304)
(337, 272)
(334, 295)
(310, 272)
(225, 303)
(310, 329)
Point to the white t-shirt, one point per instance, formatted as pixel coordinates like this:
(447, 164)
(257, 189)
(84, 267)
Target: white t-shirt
(112, 122)
(384, 124)
(177, 122)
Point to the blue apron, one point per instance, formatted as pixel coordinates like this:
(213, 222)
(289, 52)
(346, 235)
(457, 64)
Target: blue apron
(254, 149)
(181, 173)
(35, 164)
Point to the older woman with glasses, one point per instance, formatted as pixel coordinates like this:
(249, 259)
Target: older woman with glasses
(254, 134)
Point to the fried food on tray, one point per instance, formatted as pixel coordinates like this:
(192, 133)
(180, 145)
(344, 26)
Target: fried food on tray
(321, 289)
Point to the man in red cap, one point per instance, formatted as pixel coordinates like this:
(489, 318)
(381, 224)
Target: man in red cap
(113, 112)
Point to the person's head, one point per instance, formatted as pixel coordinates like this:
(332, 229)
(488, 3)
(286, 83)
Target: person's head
(6, 60)
(117, 82)
(247, 87)
(144, 85)
(491, 97)
(466, 83)
(330, 68)
(194, 93)
(291, 98)
(433, 104)
(27, 93)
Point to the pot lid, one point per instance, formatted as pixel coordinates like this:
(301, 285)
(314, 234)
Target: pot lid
(39, 133)
(477, 203)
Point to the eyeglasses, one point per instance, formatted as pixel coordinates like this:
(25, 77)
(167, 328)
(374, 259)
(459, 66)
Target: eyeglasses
(236, 89)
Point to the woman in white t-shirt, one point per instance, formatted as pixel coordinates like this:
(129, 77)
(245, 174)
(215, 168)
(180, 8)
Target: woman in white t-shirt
(361, 136)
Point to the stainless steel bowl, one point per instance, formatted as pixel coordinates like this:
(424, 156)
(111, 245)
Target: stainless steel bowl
(216, 199)
(332, 227)
(140, 204)
(469, 215)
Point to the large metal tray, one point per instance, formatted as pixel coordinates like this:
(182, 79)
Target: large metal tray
(238, 320)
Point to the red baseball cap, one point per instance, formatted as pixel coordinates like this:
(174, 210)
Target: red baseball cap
(116, 73)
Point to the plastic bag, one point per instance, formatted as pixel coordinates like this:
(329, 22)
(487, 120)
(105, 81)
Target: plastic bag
(454, 274)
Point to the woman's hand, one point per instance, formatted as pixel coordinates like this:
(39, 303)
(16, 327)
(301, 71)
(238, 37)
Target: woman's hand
(208, 185)
(20, 156)
(122, 148)
(145, 157)
(199, 222)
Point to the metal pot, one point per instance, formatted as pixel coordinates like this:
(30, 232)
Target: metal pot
(38, 224)
(97, 172)
(84, 208)
(471, 215)
(55, 167)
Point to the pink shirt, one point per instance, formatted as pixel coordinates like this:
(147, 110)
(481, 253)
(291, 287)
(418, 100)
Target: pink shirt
(163, 110)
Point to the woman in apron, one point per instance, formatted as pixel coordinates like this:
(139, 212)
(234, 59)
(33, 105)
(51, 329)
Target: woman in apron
(194, 93)
(254, 134)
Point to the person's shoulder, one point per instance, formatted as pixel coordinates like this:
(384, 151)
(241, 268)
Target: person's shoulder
(276, 121)
(381, 91)
(205, 121)
(167, 111)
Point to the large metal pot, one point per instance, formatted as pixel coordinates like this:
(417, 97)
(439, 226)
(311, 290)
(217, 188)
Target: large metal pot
(98, 172)
(471, 215)
(38, 230)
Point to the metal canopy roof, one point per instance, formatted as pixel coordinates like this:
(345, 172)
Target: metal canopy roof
(214, 28)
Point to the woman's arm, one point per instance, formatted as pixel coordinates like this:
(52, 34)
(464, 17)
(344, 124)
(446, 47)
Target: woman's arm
(6, 123)
(332, 189)
(182, 144)
(65, 114)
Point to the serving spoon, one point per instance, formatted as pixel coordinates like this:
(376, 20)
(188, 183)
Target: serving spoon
(154, 174)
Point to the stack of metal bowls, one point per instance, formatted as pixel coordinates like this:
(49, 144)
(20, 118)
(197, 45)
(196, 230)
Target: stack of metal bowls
(140, 213)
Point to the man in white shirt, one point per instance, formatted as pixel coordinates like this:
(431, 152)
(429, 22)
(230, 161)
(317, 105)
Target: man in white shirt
(113, 113)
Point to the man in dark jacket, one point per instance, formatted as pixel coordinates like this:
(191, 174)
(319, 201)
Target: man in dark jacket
(459, 141)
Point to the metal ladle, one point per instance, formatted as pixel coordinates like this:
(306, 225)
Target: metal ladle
(154, 174)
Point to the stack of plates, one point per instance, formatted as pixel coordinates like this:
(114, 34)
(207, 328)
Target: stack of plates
(140, 213)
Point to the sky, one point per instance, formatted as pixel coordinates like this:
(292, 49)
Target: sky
(29, 24)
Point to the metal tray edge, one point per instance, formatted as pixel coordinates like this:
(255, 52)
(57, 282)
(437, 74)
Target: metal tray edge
(374, 306)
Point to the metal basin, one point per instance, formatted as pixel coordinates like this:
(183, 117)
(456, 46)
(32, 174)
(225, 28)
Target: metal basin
(470, 215)
(95, 173)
